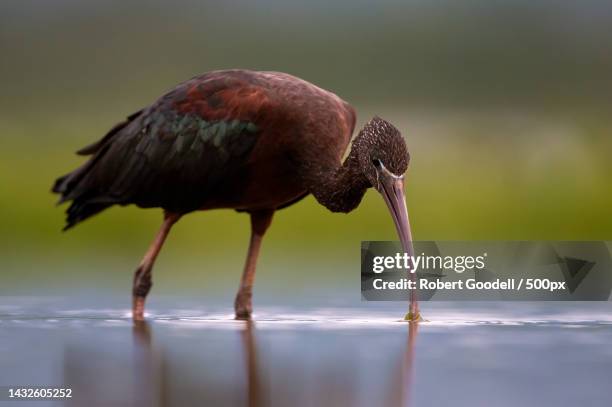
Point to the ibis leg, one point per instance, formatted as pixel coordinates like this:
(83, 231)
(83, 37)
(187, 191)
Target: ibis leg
(259, 224)
(142, 276)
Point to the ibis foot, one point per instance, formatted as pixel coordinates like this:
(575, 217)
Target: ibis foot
(138, 305)
(243, 307)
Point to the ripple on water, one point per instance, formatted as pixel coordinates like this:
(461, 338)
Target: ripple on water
(324, 317)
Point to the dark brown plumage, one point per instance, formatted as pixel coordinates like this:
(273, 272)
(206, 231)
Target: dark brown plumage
(246, 140)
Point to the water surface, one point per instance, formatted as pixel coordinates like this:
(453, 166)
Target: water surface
(472, 354)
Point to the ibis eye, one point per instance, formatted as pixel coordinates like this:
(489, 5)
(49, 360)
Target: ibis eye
(376, 162)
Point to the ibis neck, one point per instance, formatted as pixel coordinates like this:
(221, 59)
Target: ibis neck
(341, 189)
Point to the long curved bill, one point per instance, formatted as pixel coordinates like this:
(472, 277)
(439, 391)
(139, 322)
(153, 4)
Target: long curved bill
(391, 187)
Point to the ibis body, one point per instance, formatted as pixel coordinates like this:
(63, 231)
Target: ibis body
(251, 141)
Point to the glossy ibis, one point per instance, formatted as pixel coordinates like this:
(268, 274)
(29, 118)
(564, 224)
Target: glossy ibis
(251, 141)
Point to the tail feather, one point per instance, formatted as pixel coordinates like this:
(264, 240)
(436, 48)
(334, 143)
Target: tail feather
(80, 187)
(80, 210)
(60, 186)
(74, 187)
(66, 185)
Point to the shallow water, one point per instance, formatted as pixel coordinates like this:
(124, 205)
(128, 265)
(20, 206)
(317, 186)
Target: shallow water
(472, 354)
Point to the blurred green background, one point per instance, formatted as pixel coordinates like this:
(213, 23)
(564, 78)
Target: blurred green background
(505, 106)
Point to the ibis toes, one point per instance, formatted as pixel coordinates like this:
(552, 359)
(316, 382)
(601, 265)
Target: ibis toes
(243, 315)
(243, 307)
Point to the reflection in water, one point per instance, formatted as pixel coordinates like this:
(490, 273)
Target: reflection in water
(226, 369)
(332, 357)
(408, 365)
(402, 382)
(253, 379)
(147, 369)
(120, 376)
(137, 375)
